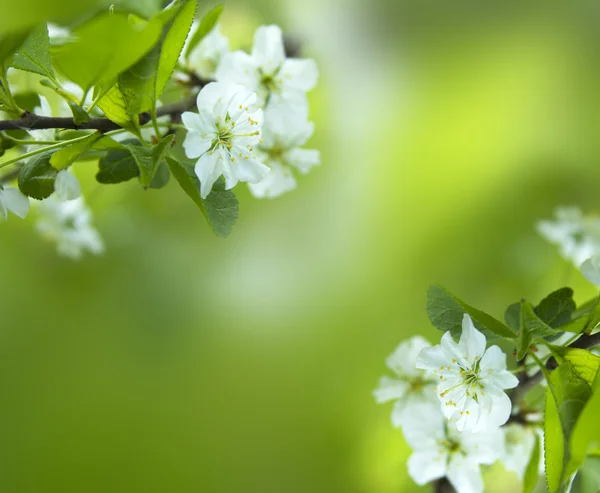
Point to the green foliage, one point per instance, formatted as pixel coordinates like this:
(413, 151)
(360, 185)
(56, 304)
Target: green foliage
(143, 83)
(104, 47)
(585, 318)
(585, 364)
(145, 8)
(220, 208)
(531, 473)
(556, 308)
(512, 316)
(148, 159)
(588, 477)
(34, 54)
(587, 429)
(114, 105)
(446, 312)
(208, 22)
(79, 114)
(117, 166)
(531, 327)
(68, 155)
(162, 177)
(36, 177)
(9, 43)
(567, 395)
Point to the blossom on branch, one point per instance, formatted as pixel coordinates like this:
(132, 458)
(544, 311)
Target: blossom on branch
(223, 135)
(206, 56)
(411, 387)
(470, 379)
(439, 450)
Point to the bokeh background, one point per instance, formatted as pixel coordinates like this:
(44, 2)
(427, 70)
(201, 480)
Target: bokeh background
(180, 362)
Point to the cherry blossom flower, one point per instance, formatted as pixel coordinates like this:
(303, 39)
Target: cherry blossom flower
(471, 379)
(11, 199)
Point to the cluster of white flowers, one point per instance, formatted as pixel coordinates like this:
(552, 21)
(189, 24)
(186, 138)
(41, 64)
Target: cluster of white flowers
(451, 407)
(577, 236)
(253, 119)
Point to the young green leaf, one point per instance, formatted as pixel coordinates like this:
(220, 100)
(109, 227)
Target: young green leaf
(531, 327)
(36, 177)
(220, 207)
(569, 395)
(34, 54)
(104, 47)
(585, 364)
(112, 102)
(556, 308)
(9, 43)
(587, 429)
(148, 159)
(446, 311)
(79, 114)
(138, 83)
(588, 477)
(532, 472)
(68, 155)
(162, 177)
(208, 22)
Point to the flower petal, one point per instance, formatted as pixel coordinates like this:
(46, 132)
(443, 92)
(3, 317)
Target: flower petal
(303, 159)
(464, 475)
(239, 68)
(299, 74)
(432, 358)
(427, 465)
(495, 409)
(268, 49)
(15, 202)
(472, 342)
(402, 361)
(390, 389)
(207, 170)
(67, 186)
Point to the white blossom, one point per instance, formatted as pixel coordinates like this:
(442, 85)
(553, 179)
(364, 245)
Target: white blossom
(440, 450)
(411, 387)
(577, 236)
(280, 150)
(205, 57)
(471, 379)
(11, 199)
(69, 225)
(223, 135)
(66, 185)
(519, 441)
(276, 79)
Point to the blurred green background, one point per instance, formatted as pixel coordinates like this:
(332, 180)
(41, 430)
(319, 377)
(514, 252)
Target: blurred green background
(179, 362)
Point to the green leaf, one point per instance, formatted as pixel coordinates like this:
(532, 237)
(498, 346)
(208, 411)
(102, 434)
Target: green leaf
(112, 102)
(512, 316)
(531, 327)
(162, 177)
(220, 207)
(36, 177)
(446, 313)
(34, 54)
(208, 22)
(570, 393)
(146, 8)
(585, 364)
(586, 434)
(148, 159)
(117, 166)
(588, 477)
(9, 43)
(585, 318)
(104, 47)
(143, 83)
(79, 114)
(66, 156)
(556, 308)
(531, 473)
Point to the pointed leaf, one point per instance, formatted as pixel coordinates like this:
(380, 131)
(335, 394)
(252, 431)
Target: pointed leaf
(148, 159)
(207, 24)
(531, 327)
(532, 471)
(556, 308)
(117, 166)
(68, 155)
(34, 54)
(588, 477)
(112, 102)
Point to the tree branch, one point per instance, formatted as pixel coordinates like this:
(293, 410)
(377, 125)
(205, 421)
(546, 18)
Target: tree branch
(31, 121)
(443, 486)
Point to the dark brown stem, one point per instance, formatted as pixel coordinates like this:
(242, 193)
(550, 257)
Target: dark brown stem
(30, 121)
(443, 486)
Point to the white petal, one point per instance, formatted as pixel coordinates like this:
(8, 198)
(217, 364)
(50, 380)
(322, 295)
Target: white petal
(280, 180)
(195, 145)
(268, 49)
(403, 360)
(299, 74)
(209, 95)
(423, 427)
(389, 389)
(472, 342)
(502, 380)
(239, 68)
(302, 159)
(591, 269)
(426, 466)
(454, 351)
(495, 409)
(67, 186)
(192, 122)
(207, 170)
(432, 358)
(250, 170)
(464, 475)
(493, 360)
(15, 202)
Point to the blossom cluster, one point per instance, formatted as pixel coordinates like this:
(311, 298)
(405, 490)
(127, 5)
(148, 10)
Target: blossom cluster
(252, 121)
(453, 410)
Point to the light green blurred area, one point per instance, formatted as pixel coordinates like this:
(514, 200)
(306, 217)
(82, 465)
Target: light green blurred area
(179, 362)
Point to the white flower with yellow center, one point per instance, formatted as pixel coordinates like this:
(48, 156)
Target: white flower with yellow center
(223, 135)
(280, 150)
(266, 71)
(411, 387)
(11, 199)
(206, 56)
(471, 379)
(439, 450)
